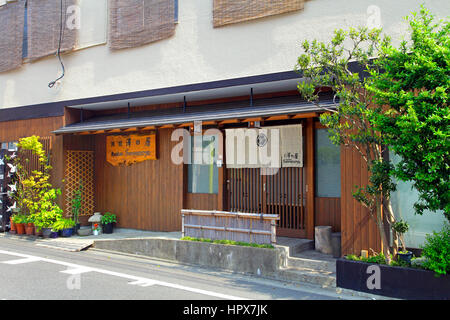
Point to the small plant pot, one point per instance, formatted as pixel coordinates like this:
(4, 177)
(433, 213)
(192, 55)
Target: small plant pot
(405, 257)
(108, 228)
(37, 233)
(20, 228)
(96, 232)
(46, 232)
(54, 234)
(12, 228)
(29, 229)
(67, 232)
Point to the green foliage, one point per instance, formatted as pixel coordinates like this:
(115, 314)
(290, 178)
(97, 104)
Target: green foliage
(437, 251)
(19, 218)
(108, 218)
(77, 202)
(35, 194)
(350, 122)
(62, 224)
(414, 81)
(378, 258)
(230, 242)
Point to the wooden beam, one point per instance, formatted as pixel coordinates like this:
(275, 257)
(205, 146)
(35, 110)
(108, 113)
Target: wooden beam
(305, 115)
(280, 117)
(253, 119)
(310, 175)
(113, 130)
(167, 126)
(230, 121)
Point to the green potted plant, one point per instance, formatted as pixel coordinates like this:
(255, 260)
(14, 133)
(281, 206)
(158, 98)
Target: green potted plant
(29, 224)
(64, 226)
(76, 205)
(108, 220)
(401, 227)
(19, 221)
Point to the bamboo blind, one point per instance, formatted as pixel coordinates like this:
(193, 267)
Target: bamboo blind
(11, 34)
(232, 11)
(80, 168)
(137, 22)
(44, 25)
(236, 226)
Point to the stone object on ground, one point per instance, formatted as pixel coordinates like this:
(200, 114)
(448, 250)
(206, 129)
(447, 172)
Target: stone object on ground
(96, 218)
(84, 231)
(322, 239)
(336, 244)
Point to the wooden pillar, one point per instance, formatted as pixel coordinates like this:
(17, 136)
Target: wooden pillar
(309, 141)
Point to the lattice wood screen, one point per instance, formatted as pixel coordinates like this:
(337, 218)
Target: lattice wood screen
(80, 168)
(232, 11)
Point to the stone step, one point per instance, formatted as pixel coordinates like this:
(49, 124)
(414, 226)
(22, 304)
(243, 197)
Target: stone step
(315, 264)
(324, 279)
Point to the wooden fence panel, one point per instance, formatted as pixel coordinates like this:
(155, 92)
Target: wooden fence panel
(222, 225)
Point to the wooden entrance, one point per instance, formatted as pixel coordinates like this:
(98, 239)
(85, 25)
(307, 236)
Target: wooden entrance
(282, 193)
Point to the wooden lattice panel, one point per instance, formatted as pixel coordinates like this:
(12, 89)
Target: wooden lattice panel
(80, 168)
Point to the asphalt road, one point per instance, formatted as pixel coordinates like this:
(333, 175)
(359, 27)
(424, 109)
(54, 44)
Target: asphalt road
(32, 272)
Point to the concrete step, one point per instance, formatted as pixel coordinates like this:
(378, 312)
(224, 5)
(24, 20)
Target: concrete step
(315, 264)
(324, 279)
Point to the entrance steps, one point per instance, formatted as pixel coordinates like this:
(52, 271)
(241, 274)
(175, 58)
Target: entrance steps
(304, 264)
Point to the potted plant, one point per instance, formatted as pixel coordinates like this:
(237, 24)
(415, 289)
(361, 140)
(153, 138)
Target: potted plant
(12, 228)
(76, 205)
(64, 226)
(19, 221)
(29, 225)
(108, 220)
(401, 227)
(96, 229)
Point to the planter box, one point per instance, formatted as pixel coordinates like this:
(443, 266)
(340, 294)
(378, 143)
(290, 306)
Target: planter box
(395, 282)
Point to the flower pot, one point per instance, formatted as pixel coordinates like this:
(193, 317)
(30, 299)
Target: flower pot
(12, 228)
(95, 232)
(29, 229)
(20, 228)
(46, 232)
(108, 228)
(405, 257)
(67, 232)
(54, 234)
(37, 233)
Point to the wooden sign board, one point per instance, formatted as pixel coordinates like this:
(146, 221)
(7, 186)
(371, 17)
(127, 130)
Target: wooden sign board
(129, 149)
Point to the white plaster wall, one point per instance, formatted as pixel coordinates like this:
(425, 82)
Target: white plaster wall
(198, 52)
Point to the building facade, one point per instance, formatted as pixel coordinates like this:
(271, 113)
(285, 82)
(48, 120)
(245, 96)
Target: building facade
(135, 78)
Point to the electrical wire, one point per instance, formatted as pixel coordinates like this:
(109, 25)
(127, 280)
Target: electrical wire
(61, 35)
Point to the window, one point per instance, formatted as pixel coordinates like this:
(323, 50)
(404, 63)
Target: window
(328, 166)
(203, 174)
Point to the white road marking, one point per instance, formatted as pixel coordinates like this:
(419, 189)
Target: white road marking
(134, 279)
(24, 260)
(77, 270)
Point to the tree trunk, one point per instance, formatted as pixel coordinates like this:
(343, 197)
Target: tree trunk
(384, 238)
(395, 235)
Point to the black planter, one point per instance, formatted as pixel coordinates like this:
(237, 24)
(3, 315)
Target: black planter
(66, 233)
(108, 228)
(395, 282)
(405, 257)
(46, 232)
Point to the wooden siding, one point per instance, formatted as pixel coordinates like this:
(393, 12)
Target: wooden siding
(328, 213)
(146, 195)
(42, 127)
(358, 229)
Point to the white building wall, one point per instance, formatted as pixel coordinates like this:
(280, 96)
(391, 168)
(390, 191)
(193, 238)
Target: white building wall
(200, 53)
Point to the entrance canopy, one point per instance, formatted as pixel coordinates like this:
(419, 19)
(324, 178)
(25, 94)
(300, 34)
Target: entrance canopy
(233, 112)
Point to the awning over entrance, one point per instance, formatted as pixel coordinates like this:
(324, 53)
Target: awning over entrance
(217, 114)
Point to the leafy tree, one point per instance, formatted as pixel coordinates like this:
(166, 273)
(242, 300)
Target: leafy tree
(350, 122)
(414, 81)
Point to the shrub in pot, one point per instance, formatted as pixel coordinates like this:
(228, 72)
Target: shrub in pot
(29, 225)
(108, 220)
(19, 221)
(401, 227)
(64, 226)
